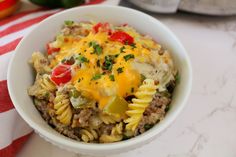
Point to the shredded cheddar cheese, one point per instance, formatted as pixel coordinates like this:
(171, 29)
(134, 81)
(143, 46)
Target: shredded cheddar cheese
(103, 58)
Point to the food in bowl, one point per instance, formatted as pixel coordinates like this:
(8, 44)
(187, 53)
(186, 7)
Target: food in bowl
(102, 83)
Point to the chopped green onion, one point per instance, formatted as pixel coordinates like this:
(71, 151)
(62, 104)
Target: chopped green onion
(82, 59)
(129, 56)
(108, 63)
(133, 45)
(92, 43)
(96, 76)
(98, 63)
(112, 78)
(97, 48)
(120, 70)
(122, 49)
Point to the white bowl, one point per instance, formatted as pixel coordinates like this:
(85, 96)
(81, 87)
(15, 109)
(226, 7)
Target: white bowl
(20, 74)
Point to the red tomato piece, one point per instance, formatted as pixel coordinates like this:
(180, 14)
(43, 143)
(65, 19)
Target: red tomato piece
(61, 74)
(104, 27)
(97, 26)
(122, 37)
(51, 50)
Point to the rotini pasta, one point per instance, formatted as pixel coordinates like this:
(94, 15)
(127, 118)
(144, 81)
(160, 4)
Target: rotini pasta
(47, 84)
(88, 135)
(116, 134)
(108, 119)
(117, 129)
(63, 108)
(40, 63)
(42, 87)
(143, 98)
(110, 138)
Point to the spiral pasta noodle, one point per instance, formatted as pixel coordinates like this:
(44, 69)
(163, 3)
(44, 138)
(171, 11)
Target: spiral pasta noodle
(42, 87)
(88, 135)
(47, 84)
(108, 119)
(116, 134)
(144, 96)
(63, 108)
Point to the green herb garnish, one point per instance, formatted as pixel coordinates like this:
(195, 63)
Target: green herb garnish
(133, 45)
(92, 43)
(122, 49)
(96, 76)
(112, 78)
(69, 23)
(108, 63)
(63, 60)
(120, 70)
(82, 59)
(98, 63)
(97, 48)
(129, 56)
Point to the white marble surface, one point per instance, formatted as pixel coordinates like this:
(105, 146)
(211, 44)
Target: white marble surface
(207, 126)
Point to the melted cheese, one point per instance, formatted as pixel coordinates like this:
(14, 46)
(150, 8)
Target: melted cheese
(102, 89)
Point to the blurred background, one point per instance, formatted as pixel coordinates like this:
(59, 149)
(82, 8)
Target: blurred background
(204, 7)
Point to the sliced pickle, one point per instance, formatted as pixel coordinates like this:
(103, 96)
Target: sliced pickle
(116, 106)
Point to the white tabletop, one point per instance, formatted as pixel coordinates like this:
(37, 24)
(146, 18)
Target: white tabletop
(207, 126)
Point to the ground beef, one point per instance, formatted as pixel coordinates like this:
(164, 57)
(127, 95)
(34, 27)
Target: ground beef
(105, 129)
(153, 113)
(42, 107)
(75, 30)
(65, 130)
(82, 119)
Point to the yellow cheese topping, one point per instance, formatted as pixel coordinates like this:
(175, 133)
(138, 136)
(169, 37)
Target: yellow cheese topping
(90, 78)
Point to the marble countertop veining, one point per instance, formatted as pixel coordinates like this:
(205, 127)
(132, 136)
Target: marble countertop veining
(207, 125)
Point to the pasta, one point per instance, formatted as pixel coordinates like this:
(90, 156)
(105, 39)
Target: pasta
(47, 84)
(88, 135)
(63, 108)
(144, 96)
(116, 134)
(101, 83)
(42, 87)
(108, 119)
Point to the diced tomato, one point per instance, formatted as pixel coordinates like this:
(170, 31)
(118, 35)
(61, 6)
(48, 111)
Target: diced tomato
(97, 26)
(104, 27)
(51, 50)
(61, 74)
(122, 37)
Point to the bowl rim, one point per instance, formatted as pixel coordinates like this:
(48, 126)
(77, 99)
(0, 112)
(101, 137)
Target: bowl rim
(107, 146)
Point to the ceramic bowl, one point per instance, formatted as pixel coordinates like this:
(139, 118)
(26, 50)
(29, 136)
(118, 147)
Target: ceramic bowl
(20, 74)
